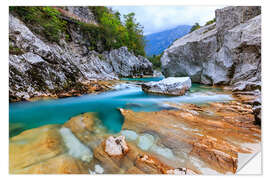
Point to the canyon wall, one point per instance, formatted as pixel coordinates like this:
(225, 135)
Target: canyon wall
(226, 52)
(39, 67)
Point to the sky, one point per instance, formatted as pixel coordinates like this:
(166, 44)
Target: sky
(160, 18)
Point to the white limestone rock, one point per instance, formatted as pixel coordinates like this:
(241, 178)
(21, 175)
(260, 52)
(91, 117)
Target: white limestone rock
(116, 146)
(176, 86)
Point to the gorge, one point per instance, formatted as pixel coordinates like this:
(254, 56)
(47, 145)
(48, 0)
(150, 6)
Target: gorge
(80, 106)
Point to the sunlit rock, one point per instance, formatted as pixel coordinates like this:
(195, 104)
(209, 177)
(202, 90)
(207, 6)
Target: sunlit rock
(176, 86)
(87, 128)
(151, 165)
(116, 146)
(216, 133)
(42, 151)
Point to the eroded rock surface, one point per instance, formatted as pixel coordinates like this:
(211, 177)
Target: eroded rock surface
(215, 133)
(225, 52)
(176, 86)
(116, 146)
(67, 68)
(43, 151)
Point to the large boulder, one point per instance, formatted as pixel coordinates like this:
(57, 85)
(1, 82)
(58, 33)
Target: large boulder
(176, 86)
(226, 52)
(126, 64)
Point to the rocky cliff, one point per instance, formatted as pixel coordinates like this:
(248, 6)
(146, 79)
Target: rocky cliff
(38, 67)
(227, 52)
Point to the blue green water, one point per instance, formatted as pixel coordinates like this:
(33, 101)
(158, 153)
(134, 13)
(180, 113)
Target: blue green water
(27, 115)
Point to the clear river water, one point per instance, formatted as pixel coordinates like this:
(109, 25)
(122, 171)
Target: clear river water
(27, 115)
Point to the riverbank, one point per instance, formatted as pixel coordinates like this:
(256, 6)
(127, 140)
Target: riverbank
(142, 120)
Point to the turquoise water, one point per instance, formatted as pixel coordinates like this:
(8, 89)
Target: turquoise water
(27, 115)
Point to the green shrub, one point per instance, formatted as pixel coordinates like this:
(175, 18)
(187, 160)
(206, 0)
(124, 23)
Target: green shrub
(210, 22)
(15, 50)
(195, 27)
(155, 60)
(42, 20)
(110, 31)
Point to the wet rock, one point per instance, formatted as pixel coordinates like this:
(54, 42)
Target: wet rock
(99, 169)
(42, 151)
(109, 163)
(130, 135)
(62, 164)
(150, 164)
(87, 128)
(145, 141)
(75, 147)
(163, 151)
(169, 86)
(216, 138)
(116, 146)
(134, 170)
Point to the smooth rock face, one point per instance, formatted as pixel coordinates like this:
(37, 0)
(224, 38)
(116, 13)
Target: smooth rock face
(44, 68)
(176, 86)
(146, 141)
(75, 147)
(225, 52)
(42, 151)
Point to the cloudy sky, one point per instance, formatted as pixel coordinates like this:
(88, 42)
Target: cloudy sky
(159, 18)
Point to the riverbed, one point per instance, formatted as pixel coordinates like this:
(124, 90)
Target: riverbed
(128, 95)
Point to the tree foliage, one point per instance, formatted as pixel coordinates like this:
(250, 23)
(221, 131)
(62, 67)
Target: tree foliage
(210, 22)
(111, 32)
(195, 27)
(43, 20)
(155, 60)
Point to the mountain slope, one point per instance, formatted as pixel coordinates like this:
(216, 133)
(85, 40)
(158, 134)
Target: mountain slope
(156, 43)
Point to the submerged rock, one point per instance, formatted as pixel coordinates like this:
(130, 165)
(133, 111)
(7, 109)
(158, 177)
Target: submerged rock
(75, 147)
(116, 146)
(145, 141)
(176, 86)
(130, 135)
(43, 151)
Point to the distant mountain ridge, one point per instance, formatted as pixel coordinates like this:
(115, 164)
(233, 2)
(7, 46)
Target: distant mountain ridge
(156, 43)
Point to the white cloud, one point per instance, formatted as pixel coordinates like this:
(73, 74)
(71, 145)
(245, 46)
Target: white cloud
(159, 18)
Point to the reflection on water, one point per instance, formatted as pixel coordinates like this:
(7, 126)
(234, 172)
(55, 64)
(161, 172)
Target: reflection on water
(27, 115)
